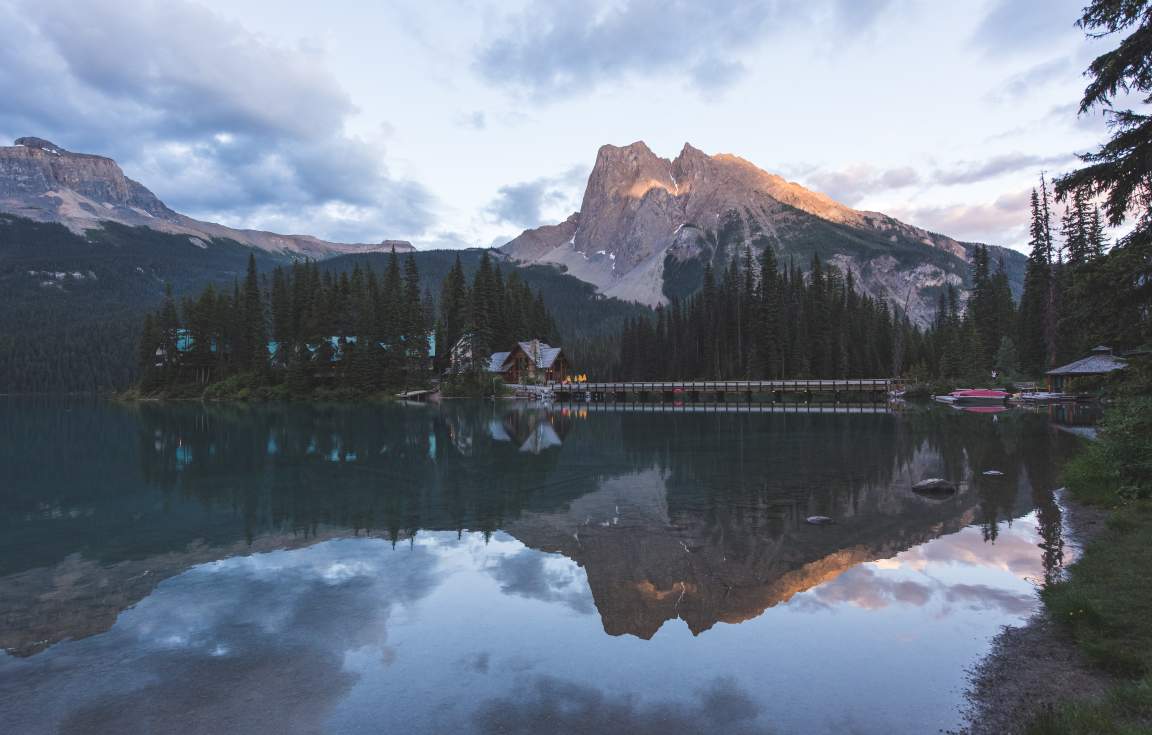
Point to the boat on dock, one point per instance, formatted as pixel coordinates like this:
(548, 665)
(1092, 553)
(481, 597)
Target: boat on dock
(1043, 396)
(986, 396)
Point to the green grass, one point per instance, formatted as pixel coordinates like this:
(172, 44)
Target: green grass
(1126, 710)
(1106, 598)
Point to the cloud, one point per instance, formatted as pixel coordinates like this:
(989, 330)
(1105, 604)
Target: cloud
(266, 651)
(1001, 222)
(865, 588)
(528, 574)
(1023, 83)
(550, 704)
(527, 203)
(971, 172)
(852, 184)
(556, 49)
(1015, 26)
(218, 121)
(862, 587)
(476, 120)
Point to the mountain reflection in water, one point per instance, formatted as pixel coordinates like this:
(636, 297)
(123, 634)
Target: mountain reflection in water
(297, 568)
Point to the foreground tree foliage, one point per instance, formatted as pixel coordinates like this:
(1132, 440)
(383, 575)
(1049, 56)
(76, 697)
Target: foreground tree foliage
(1109, 296)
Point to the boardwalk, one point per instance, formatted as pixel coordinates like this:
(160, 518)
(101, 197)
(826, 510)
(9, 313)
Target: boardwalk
(678, 407)
(717, 391)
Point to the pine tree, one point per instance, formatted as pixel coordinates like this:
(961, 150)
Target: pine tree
(768, 334)
(1096, 237)
(416, 333)
(255, 336)
(1034, 303)
(391, 321)
(454, 307)
(168, 324)
(483, 318)
(1007, 361)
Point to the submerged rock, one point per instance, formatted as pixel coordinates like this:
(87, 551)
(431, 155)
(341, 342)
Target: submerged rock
(819, 520)
(934, 486)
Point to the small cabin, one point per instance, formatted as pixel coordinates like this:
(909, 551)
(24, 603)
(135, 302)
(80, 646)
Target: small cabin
(531, 362)
(1100, 362)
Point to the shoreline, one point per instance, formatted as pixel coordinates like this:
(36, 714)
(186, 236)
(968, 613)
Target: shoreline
(1036, 665)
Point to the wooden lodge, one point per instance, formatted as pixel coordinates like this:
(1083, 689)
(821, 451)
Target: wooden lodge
(1100, 362)
(531, 362)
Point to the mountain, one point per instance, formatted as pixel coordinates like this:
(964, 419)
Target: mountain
(648, 225)
(71, 305)
(41, 181)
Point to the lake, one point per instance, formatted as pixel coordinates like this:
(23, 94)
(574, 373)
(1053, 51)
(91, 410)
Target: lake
(475, 567)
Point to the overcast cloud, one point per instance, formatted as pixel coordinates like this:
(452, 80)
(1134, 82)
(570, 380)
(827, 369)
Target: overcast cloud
(220, 122)
(555, 48)
(531, 203)
(457, 123)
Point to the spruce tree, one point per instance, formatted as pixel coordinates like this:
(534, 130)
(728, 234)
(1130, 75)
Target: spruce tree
(768, 333)
(1034, 303)
(416, 333)
(454, 305)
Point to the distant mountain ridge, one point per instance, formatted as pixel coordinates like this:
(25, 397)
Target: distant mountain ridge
(647, 225)
(42, 181)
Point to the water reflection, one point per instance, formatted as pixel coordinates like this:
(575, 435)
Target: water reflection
(325, 560)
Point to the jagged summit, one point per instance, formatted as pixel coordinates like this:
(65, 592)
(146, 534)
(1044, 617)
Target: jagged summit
(46, 145)
(647, 225)
(43, 181)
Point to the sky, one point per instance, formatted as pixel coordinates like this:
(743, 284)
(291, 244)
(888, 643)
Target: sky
(455, 123)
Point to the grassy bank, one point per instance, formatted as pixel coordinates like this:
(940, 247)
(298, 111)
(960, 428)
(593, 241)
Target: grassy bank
(256, 388)
(1106, 599)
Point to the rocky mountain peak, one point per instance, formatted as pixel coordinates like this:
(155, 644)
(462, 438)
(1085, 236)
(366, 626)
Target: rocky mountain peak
(42, 181)
(647, 224)
(39, 143)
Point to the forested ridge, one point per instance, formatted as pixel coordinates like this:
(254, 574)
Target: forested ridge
(759, 319)
(71, 306)
(304, 327)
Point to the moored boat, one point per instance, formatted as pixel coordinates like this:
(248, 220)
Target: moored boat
(976, 395)
(1045, 396)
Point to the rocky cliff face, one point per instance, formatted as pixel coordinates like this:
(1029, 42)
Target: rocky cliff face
(645, 220)
(41, 181)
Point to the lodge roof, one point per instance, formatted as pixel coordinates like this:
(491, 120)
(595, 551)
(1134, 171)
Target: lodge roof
(496, 362)
(542, 353)
(1101, 361)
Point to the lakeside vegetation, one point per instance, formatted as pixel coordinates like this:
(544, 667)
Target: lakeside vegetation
(1105, 600)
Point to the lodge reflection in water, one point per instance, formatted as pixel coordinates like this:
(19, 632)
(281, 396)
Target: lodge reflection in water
(698, 516)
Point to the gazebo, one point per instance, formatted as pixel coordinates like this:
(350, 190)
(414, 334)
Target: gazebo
(1100, 362)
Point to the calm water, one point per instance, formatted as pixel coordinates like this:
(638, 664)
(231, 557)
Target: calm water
(507, 569)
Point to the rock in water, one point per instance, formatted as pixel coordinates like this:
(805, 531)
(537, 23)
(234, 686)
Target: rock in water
(993, 473)
(934, 486)
(933, 483)
(819, 520)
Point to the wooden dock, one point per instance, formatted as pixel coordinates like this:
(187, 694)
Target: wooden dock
(714, 391)
(421, 395)
(677, 407)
